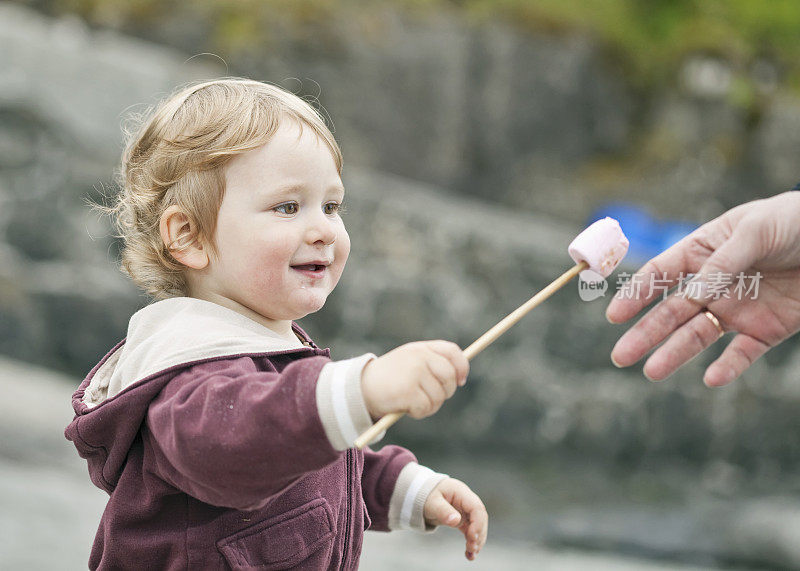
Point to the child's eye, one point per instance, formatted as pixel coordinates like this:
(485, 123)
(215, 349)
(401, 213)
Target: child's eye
(332, 207)
(287, 208)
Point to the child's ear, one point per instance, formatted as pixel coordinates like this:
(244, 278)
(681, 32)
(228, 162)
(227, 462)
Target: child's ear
(180, 236)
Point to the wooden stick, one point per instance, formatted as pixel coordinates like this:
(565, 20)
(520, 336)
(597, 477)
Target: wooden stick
(482, 343)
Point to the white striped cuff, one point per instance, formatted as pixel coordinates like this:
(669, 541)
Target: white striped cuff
(340, 403)
(406, 506)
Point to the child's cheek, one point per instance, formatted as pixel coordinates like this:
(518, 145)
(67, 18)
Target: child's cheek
(341, 253)
(271, 264)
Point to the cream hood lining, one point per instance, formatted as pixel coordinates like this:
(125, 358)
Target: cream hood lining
(175, 331)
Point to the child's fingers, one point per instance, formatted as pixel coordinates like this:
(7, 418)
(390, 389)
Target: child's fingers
(474, 518)
(434, 388)
(443, 373)
(476, 531)
(439, 511)
(455, 355)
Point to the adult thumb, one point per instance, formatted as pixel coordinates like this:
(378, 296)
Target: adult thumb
(443, 513)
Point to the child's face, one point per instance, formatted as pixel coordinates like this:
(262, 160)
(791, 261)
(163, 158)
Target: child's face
(281, 243)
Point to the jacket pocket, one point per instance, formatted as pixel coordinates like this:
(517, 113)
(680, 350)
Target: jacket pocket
(284, 541)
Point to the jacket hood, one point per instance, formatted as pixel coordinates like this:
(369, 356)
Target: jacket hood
(163, 339)
(177, 331)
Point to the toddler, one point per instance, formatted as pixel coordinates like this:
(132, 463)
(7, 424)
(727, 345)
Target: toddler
(221, 432)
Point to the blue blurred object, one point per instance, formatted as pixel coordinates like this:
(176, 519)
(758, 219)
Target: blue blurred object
(648, 235)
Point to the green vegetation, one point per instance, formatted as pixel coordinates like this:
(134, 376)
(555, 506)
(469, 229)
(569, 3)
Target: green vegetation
(653, 36)
(648, 37)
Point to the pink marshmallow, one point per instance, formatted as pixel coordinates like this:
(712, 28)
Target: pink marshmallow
(602, 245)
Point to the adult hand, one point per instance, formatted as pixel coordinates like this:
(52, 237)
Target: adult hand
(760, 236)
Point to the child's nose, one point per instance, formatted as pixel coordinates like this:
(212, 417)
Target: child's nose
(321, 229)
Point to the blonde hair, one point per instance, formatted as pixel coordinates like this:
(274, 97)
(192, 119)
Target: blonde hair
(176, 156)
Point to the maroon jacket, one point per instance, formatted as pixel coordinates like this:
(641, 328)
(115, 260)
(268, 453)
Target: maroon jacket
(230, 461)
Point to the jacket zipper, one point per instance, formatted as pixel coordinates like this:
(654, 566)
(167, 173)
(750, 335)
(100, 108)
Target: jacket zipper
(349, 511)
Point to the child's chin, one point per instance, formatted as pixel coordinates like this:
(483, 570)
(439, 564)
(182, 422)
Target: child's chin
(306, 300)
(301, 313)
(310, 306)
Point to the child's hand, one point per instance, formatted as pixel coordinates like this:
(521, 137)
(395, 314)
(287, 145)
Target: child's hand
(415, 378)
(452, 503)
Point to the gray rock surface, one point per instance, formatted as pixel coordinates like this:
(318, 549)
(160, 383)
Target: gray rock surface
(544, 122)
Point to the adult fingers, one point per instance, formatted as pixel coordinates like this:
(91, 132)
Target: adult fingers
(685, 344)
(655, 277)
(652, 329)
(727, 244)
(740, 353)
(736, 254)
(724, 245)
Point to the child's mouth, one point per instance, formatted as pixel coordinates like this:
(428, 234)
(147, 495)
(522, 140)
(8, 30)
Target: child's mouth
(310, 270)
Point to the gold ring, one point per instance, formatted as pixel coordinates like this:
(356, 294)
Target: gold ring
(713, 319)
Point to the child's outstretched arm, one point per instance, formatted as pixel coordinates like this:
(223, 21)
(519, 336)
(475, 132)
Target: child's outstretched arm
(452, 503)
(233, 435)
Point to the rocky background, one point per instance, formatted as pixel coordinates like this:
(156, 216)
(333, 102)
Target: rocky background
(474, 153)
